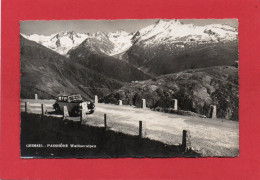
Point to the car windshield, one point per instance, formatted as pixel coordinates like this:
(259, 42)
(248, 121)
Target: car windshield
(75, 97)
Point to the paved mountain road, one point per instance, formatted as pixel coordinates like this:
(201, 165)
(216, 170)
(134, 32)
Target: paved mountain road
(211, 137)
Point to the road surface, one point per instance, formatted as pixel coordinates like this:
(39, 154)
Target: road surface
(211, 137)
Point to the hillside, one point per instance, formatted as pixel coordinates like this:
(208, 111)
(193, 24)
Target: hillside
(48, 73)
(165, 59)
(195, 90)
(90, 54)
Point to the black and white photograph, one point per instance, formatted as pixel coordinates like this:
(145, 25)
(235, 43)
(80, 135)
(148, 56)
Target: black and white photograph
(139, 88)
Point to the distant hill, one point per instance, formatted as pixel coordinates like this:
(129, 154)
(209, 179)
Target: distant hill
(195, 90)
(48, 73)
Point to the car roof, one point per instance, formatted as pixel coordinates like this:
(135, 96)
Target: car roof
(68, 95)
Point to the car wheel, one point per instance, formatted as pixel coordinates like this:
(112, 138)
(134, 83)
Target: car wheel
(91, 111)
(57, 108)
(74, 112)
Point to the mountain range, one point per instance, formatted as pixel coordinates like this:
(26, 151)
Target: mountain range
(169, 47)
(103, 62)
(48, 73)
(161, 48)
(62, 42)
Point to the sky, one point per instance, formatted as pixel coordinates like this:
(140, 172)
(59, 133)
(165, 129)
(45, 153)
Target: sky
(91, 26)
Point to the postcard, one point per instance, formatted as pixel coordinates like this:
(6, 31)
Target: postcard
(129, 88)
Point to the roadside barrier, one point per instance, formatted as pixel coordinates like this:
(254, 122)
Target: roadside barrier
(105, 121)
(65, 112)
(213, 112)
(140, 129)
(27, 107)
(186, 140)
(96, 99)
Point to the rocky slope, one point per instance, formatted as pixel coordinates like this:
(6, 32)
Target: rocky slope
(195, 90)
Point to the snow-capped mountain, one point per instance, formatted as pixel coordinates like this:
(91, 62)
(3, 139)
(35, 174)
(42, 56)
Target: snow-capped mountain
(93, 54)
(173, 31)
(171, 46)
(122, 41)
(60, 42)
(166, 46)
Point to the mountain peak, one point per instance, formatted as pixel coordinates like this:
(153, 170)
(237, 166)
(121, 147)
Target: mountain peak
(168, 22)
(175, 21)
(23, 35)
(66, 33)
(160, 21)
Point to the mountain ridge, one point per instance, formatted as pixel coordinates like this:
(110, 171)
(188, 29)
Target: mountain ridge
(122, 40)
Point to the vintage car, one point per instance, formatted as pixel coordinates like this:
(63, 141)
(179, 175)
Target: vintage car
(74, 103)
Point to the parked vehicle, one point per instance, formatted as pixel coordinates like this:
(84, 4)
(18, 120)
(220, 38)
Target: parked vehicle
(74, 103)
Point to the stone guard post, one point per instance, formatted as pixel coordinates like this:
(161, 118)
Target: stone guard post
(175, 107)
(96, 99)
(144, 103)
(105, 121)
(44, 109)
(84, 109)
(140, 129)
(213, 112)
(65, 112)
(186, 140)
(27, 107)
